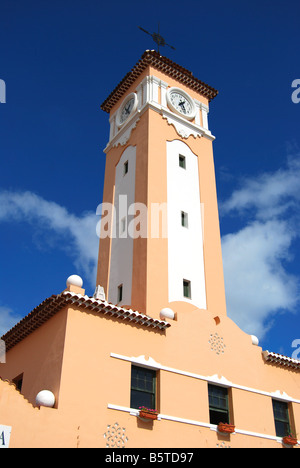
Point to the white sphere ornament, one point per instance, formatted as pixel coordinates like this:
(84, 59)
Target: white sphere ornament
(255, 340)
(167, 313)
(74, 280)
(45, 398)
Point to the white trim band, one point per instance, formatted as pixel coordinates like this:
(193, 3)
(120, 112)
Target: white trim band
(152, 364)
(212, 427)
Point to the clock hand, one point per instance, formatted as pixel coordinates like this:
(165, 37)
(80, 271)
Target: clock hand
(182, 103)
(127, 108)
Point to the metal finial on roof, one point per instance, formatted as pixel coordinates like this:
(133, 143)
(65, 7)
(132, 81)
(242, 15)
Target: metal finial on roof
(158, 39)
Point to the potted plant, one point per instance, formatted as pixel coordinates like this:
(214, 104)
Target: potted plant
(290, 440)
(147, 413)
(225, 427)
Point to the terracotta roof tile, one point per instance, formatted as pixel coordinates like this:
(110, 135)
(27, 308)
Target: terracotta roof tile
(279, 359)
(153, 58)
(55, 303)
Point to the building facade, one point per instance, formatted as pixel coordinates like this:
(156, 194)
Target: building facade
(79, 370)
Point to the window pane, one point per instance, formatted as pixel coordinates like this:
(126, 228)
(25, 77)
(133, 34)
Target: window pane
(187, 289)
(218, 404)
(143, 387)
(282, 428)
(281, 418)
(141, 399)
(142, 379)
(280, 410)
(216, 417)
(120, 293)
(184, 219)
(182, 161)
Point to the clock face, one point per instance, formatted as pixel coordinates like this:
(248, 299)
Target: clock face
(127, 108)
(181, 103)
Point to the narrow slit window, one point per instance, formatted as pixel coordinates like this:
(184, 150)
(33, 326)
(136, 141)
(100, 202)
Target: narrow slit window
(126, 165)
(120, 292)
(182, 161)
(184, 219)
(187, 289)
(123, 225)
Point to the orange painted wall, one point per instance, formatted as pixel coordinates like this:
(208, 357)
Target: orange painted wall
(91, 379)
(39, 356)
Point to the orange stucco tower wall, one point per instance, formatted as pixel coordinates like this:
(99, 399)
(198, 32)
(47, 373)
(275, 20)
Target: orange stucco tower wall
(160, 181)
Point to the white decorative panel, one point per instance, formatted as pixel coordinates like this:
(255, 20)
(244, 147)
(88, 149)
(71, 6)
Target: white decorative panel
(122, 243)
(185, 244)
(115, 436)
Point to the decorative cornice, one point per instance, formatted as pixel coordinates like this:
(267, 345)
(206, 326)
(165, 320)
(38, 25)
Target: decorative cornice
(279, 359)
(123, 135)
(43, 312)
(165, 65)
(184, 128)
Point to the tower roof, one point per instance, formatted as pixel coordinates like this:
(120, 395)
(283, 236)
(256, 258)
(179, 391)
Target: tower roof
(153, 58)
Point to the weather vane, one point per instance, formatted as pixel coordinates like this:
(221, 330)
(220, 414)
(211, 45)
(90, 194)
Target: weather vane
(158, 39)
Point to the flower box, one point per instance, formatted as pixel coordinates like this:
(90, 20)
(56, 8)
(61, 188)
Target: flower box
(227, 428)
(148, 413)
(289, 440)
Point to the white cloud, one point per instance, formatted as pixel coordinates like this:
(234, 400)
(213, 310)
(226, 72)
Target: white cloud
(255, 258)
(270, 194)
(75, 235)
(257, 285)
(78, 233)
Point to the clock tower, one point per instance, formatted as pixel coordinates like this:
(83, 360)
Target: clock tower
(160, 244)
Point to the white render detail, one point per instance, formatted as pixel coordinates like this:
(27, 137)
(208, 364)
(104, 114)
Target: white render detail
(212, 427)
(182, 127)
(213, 379)
(152, 93)
(121, 263)
(185, 245)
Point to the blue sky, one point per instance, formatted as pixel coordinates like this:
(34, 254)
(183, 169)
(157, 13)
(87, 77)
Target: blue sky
(61, 59)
